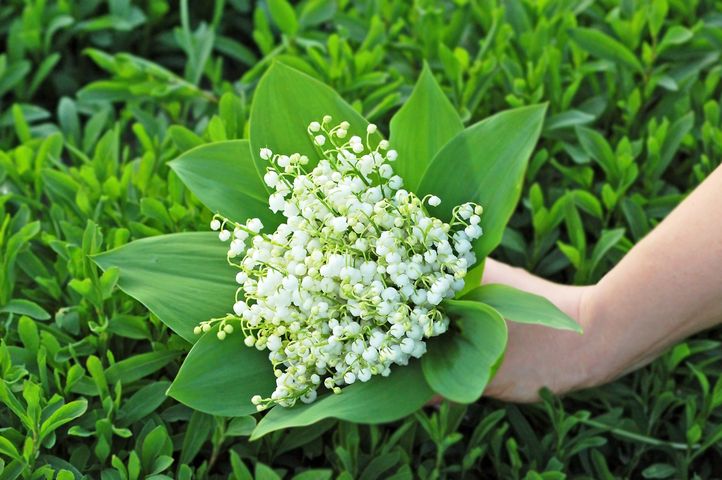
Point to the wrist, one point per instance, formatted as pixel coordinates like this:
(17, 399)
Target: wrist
(602, 354)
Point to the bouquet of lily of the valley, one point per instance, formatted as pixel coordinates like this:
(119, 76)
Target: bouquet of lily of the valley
(341, 276)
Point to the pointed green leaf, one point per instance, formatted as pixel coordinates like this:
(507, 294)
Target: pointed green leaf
(485, 164)
(284, 16)
(220, 376)
(380, 400)
(425, 123)
(606, 242)
(522, 307)
(285, 102)
(7, 448)
(139, 366)
(605, 47)
(61, 416)
(459, 365)
(21, 306)
(599, 149)
(223, 176)
(183, 278)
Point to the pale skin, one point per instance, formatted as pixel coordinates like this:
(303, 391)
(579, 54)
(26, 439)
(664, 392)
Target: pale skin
(665, 289)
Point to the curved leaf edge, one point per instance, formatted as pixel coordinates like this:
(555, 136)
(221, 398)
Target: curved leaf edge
(494, 367)
(570, 325)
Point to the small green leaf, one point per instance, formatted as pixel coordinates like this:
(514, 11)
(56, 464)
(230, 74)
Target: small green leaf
(676, 35)
(315, 12)
(284, 16)
(459, 364)
(380, 400)
(183, 278)
(522, 307)
(223, 176)
(183, 138)
(659, 470)
(20, 306)
(108, 280)
(142, 403)
(241, 426)
(264, 472)
(66, 413)
(607, 241)
(605, 47)
(199, 429)
(138, 366)
(12, 470)
(28, 333)
(220, 376)
(7, 448)
(597, 147)
(570, 118)
(240, 470)
(316, 474)
(155, 444)
(420, 128)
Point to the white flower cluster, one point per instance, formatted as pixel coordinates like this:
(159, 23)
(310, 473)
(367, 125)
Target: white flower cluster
(351, 283)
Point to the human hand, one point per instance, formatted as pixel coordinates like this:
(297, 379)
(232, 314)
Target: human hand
(665, 289)
(539, 356)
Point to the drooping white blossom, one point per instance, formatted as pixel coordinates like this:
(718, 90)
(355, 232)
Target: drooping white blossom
(353, 281)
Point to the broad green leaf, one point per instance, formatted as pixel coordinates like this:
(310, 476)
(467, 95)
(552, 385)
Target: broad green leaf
(380, 400)
(183, 278)
(485, 164)
(220, 376)
(605, 47)
(459, 364)
(223, 176)
(284, 103)
(425, 123)
(522, 307)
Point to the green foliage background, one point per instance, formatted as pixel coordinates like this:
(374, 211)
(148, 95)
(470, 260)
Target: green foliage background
(96, 98)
